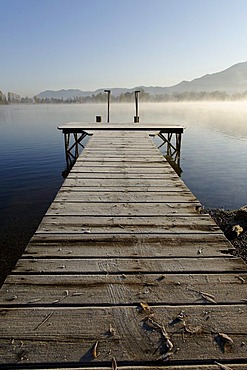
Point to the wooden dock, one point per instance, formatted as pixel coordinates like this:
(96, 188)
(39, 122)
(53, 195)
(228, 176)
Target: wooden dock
(124, 272)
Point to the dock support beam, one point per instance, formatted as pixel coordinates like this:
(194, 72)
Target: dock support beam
(173, 141)
(72, 149)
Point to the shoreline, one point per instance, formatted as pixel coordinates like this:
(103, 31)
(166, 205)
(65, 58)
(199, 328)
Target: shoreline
(233, 223)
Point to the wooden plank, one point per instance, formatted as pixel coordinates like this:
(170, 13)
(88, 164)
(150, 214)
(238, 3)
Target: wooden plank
(133, 143)
(124, 189)
(131, 182)
(69, 239)
(121, 153)
(129, 209)
(119, 230)
(119, 149)
(109, 219)
(108, 136)
(112, 175)
(60, 339)
(207, 245)
(114, 126)
(120, 139)
(129, 161)
(122, 147)
(87, 290)
(126, 143)
(162, 168)
(121, 164)
(128, 238)
(98, 223)
(123, 203)
(130, 265)
(94, 219)
(151, 155)
(170, 198)
(136, 171)
(123, 183)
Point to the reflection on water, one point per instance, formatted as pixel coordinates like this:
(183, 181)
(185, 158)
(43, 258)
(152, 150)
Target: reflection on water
(213, 157)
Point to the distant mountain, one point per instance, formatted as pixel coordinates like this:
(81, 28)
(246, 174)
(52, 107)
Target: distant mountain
(63, 94)
(231, 80)
(71, 93)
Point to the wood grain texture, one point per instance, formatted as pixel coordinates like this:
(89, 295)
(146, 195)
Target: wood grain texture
(124, 289)
(199, 245)
(131, 209)
(130, 265)
(59, 333)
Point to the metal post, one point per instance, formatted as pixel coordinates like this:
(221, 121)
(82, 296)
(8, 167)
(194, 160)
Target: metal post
(136, 118)
(108, 104)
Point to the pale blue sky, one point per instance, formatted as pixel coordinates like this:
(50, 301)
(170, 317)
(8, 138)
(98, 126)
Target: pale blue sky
(89, 44)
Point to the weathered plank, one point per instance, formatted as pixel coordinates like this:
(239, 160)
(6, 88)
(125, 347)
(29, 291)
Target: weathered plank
(121, 175)
(124, 209)
(123, 164)
(176, 195)
(134, 161)
(206, 245)
(164, 169)
(119, 154)
(125, 189)
(67, 239)
(126, 184)
(130, 265)
(131, 182)
(124, 225)
(121, 150)
(119, 158)
(180, 289)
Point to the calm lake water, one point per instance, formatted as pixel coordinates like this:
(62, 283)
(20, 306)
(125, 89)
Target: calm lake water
(214, 152)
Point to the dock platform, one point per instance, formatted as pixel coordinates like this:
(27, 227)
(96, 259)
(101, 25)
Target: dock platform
(125, 272)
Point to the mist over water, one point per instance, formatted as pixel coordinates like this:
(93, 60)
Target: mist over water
(213, 160)
(214, 150)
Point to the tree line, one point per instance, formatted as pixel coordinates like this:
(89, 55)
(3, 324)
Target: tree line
(13, 98)
(128, 97)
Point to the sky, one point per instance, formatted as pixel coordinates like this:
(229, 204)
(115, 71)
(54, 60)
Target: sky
(91, 44)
